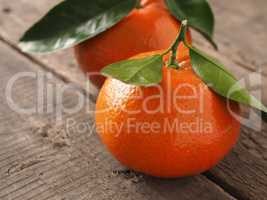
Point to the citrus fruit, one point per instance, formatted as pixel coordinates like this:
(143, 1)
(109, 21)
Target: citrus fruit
(148, 28)
(177, 128)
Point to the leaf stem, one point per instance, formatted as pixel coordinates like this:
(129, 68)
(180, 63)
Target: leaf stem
(181, 37)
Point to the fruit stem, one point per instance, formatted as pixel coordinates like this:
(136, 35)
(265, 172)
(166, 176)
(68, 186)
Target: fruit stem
(181, 37)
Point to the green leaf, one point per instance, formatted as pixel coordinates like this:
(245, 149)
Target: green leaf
(144, 71)
(221, 80)
(72, 22)
(198, 13)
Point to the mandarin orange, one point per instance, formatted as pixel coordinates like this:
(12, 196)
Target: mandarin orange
(148, 28)
(177, 128)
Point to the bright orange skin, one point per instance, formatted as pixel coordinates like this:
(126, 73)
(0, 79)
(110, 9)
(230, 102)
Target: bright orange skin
(147, 29)
(165, 152)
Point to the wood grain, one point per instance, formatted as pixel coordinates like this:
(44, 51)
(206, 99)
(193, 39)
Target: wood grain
(241, 31)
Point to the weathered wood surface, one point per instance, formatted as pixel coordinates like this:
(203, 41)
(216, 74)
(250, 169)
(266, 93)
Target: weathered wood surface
(43, 160)
(241, 31)
(241, 34)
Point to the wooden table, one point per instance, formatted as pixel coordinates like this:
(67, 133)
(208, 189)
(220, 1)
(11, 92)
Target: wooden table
(45, 160)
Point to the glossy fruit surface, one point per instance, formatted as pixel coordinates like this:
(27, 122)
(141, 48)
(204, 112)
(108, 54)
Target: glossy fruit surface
(178, 128)
(146, 29)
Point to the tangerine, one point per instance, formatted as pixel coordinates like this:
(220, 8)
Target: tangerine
(148, 28)
(177, 128)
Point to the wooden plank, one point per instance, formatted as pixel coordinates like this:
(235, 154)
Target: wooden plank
(66, 163)
(62, 63)
(13, 23)
(241, 31)
(241, 174)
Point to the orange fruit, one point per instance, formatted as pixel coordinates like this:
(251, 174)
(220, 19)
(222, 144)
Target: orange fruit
(178, 128)
(146, 29)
